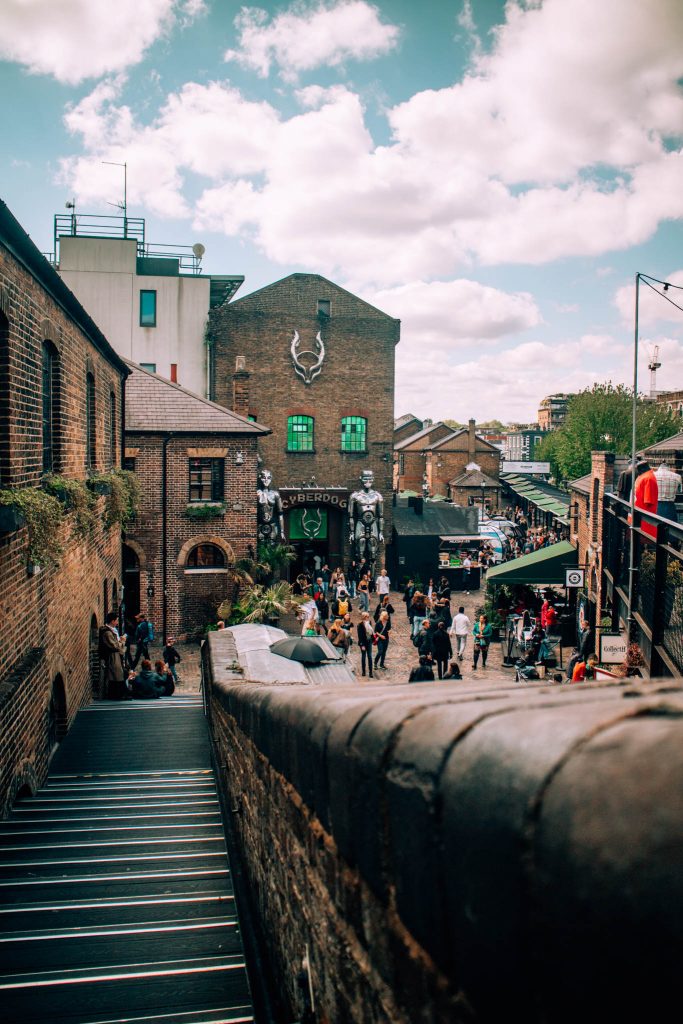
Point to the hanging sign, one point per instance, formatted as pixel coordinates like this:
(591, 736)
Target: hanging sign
(574, 578)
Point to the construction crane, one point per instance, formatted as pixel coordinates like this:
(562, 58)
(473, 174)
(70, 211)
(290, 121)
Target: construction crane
(653, 366)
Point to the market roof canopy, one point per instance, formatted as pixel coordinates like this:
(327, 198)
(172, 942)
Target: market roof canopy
(545, 566)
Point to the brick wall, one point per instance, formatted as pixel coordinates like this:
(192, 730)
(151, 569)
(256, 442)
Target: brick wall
(356, 379)
(46, 618)
(589, 525)
(453, 854)
(192, 596)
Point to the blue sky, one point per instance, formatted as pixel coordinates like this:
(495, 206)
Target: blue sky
(492, 174)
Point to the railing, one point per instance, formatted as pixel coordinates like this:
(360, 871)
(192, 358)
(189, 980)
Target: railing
(88, 225)
(657, 597)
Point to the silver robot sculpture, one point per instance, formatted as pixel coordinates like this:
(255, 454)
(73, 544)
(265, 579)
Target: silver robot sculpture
(366, 519)
(271, 523)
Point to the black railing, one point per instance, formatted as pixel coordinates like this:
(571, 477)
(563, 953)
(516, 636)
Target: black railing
(88, 225)
(656, 608)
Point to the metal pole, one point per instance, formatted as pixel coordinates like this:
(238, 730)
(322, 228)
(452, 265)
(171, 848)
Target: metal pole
(634, 412)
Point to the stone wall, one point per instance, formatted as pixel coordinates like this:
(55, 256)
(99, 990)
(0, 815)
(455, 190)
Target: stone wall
(458, 853)
(49, 618)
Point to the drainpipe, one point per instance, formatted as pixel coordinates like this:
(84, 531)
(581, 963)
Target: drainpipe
(164, 545)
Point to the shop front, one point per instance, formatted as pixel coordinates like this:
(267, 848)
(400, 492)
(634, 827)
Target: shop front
(316, 526)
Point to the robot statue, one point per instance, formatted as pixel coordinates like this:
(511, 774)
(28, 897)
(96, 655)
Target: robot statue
(271, 523)
(366, 519)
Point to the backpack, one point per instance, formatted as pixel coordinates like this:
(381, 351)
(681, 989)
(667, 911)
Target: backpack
(150, 632)
(342, 607)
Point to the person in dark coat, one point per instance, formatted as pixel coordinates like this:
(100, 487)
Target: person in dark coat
(164, 672)
(384, 605)
(382, 631)
(408, 595)
(423, 641)
(171, 657)
(111, 651)
(146, 685)
(142, 638)
(365, 631)
(443, 650)
(422, 673)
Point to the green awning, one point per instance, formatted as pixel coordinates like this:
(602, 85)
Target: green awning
(547, 565)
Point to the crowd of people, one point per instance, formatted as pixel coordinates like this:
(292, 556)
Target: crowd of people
(121, 653)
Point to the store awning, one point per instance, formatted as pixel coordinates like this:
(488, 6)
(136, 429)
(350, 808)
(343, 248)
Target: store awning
(542, 567)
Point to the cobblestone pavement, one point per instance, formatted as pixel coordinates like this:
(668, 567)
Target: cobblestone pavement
(401, 655)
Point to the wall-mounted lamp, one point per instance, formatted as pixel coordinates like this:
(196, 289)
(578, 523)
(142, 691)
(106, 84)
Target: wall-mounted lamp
(239, 458)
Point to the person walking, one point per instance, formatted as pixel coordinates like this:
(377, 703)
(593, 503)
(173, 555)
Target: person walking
(383, 583)
(365, 633)
(482, 633)
(144, 634)
(384, 605)
(171, 658)
(408, 595)
(423, 641)
(460, 629)
(441, 642)
(417, 611)
(364, 594)
(352, 578)
(111, 652)
(382, 630)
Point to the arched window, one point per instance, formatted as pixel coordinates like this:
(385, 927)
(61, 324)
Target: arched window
(300, 433)
(354, 434)
(112, 429)
(205, 556)
(90, 450)
(49, 406)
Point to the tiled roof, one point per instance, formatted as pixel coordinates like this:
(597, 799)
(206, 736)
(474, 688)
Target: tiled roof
(462, 432)
(416, 437)
(669, 444)
(473, 478)
(156, 404)
(402, 420)
(584, 484)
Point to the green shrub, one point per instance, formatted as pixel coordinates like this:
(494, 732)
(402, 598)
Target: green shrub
(44, 517)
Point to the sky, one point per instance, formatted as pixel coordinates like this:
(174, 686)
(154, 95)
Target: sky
(493, 174)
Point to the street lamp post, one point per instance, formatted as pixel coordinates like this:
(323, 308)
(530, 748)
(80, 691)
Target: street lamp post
(634, 412)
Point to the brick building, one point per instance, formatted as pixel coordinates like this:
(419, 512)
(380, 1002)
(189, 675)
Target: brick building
(61, 397)
(410, 455)
(462, 465)
(316, 364)
(552, 411)
(196, 463)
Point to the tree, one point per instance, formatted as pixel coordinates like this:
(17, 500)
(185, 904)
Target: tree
(600, 418)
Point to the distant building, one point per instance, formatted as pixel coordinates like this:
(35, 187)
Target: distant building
(464, 467)
(196, 463)
(151, 301)
(406, 426)
(671, 400)
(61, 404)
(520, 445)
(552, 411)
(410, 456)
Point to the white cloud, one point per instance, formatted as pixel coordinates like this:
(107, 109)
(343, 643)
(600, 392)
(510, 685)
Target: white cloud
(441, 313)
(74, 40)
(310, 36)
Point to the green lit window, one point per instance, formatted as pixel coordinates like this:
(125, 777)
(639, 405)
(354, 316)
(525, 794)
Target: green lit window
(148, 309)
(354, 430)
(300, 433)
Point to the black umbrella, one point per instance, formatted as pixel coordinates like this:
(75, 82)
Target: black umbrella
(307, 649)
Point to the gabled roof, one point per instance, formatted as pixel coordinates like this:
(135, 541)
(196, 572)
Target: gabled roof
(474, 478)
(463, 431)
(418, 436)
(583, 484)
(283, 285)
(403, 420)
(154, 404)
(669, 444)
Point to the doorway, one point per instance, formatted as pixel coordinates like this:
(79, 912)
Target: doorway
(131, 582)
(315, 533)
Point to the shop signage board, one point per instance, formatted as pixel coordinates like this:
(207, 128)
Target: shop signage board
(613, 647)
(574, 578)
(525, 467)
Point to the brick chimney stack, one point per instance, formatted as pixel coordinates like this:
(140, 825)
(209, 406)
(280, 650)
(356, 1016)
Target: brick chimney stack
(240, 387)
(471, 441)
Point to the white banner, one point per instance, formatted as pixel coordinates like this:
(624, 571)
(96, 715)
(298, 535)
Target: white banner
(525, 467)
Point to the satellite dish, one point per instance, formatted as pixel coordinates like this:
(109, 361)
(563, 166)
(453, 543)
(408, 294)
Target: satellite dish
(198, 249)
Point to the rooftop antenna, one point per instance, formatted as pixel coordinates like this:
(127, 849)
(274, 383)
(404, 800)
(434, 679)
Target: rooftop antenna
(70, 204)
(124, 205)
(198, 251)
(653, 366)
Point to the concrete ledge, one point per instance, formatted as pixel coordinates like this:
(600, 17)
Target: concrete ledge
(458, 852)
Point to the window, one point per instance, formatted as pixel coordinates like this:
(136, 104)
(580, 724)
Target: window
(90, 450)
(354, 434)
(48, 406)
(206, 556)
(150, 367)
(300, 433)
(112, 428)
(323, 307)
(207, 481)
(129, 464)
(401, 464)
(148, 308)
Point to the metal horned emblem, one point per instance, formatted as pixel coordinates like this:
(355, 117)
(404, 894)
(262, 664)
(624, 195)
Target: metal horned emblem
(308, 371)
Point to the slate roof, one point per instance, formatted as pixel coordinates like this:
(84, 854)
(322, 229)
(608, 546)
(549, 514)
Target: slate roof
(402, 420)
(474, 478)
(669, 444)
(416, 437)
(155, 404)
(583, 485)
(438, 519)
(459, 433)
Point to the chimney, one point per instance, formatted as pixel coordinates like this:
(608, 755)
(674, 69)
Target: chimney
(471, 441)
(240, 387)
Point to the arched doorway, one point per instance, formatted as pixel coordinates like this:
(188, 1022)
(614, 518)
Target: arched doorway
(131, 581)
(94, 658)
(56, 714)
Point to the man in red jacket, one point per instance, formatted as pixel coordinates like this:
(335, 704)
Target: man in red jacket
(647, 494)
